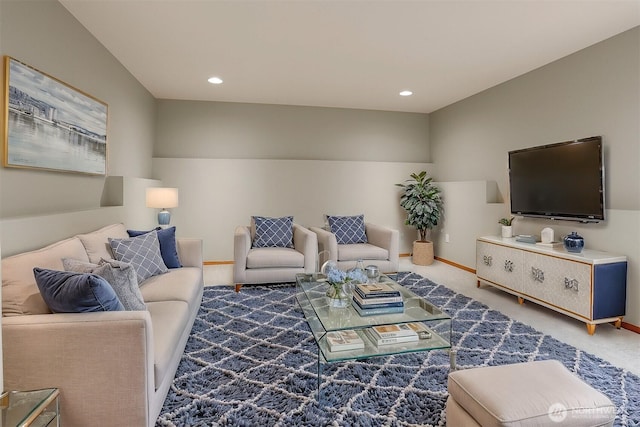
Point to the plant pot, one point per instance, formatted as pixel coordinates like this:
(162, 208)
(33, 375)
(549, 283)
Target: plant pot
(422, 252)
(507, 231)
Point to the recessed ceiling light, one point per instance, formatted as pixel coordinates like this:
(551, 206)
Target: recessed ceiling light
(406, 93)
(215, 80)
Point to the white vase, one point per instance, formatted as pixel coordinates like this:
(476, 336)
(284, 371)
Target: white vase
(507, 231)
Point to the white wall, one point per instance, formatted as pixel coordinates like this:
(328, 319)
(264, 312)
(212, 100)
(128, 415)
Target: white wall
(217, 195)
(593, 92)
(231, 161)
(469, 209)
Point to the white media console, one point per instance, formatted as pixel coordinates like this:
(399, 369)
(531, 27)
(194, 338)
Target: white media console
(589, 286)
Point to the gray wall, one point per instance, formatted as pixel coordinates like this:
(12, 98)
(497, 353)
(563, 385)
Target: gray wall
(232, 160)
(45, 36)
(223, 130)
(593, 92)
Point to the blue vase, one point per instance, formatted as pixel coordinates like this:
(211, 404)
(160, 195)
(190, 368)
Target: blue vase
(573, 242)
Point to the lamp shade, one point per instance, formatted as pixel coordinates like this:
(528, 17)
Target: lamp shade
(162, 198)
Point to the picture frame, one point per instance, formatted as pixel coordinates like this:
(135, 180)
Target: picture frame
(51, 125)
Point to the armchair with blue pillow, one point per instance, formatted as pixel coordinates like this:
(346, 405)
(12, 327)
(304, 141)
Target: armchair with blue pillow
(272, 250)
(348, 239)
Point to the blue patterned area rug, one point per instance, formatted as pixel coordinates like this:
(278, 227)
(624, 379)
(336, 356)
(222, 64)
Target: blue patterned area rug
(252, 361)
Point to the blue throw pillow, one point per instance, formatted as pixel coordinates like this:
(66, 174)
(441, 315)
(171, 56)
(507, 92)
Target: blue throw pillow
(167, 240)
(348, 229)
(67, 292)
(273, 232)
(120, 275)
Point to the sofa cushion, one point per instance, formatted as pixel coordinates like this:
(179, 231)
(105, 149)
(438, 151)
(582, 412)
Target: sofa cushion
(527, 394)
(169, 319)
(143, 252)
(273, 232)
(274, 257)
(168, 248)
(20, 294)
(120, 275)
(69, 292)
(181, 284)
(348, 229)
(96, 243)
(362, 251)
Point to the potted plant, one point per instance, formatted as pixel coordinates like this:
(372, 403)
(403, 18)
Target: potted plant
(421, 199)
(507, 230)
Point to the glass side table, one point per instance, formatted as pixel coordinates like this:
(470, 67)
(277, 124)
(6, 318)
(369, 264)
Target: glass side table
(36, 408)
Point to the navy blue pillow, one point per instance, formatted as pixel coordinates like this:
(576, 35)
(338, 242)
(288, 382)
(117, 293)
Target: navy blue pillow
(68, 292)
(167, 240)
(348, 229)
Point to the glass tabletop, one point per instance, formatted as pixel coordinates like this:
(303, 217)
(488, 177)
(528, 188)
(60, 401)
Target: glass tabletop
(416, 308)
(322, 318)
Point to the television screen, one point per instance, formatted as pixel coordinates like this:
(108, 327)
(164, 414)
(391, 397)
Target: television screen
(563, 181)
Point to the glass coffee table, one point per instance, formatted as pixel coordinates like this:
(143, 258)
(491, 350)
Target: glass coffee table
(311, 295)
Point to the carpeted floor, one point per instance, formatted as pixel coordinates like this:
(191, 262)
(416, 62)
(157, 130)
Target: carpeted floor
(252, 361)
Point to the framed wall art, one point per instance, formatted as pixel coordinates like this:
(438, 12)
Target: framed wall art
(51, 125)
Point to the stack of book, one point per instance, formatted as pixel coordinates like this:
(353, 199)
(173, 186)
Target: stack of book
(377, 298)
(344, 340)
(391, 334)
(423, 332)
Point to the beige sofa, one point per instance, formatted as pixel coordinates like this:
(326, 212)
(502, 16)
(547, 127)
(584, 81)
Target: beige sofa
(112, 368)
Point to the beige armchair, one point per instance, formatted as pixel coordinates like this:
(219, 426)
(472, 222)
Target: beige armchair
(382, 248)
(273, 264)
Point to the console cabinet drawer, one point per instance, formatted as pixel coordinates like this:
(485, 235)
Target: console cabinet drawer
(500, 265)
(560, 282)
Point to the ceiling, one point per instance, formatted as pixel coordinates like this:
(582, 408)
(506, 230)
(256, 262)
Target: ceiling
(349, 53)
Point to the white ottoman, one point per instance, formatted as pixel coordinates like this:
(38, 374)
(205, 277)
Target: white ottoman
(542, 393)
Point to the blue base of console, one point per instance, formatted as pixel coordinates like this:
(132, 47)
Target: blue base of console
(609, 290)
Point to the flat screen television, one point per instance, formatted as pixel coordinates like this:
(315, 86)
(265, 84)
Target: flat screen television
(559, 181)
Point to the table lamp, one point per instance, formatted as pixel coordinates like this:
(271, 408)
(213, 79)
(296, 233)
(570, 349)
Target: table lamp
(162, 198)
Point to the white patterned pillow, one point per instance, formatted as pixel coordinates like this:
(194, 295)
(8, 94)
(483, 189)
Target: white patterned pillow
(348, 229)
(143, 252)
(273, 232)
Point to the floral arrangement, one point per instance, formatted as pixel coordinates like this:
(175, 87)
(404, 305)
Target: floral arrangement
(336, 276)
(338, 279)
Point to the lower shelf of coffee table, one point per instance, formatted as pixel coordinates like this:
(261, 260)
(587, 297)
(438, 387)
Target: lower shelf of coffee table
(436, 342)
